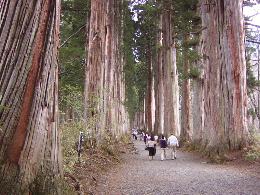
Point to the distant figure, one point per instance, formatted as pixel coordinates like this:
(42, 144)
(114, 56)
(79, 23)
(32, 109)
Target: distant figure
(173, 143)
(148, 137)
(141, 136)
(134, 133)
(80, 144)
(156, 138)
(151, 147)
(163, 145)
(145, 138)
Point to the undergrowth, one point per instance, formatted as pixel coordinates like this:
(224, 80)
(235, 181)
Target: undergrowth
(253, 153)
(93, 161)
(70, 136)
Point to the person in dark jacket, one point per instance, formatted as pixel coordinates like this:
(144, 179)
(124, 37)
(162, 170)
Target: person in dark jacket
(151, 147)
(145, 138)
(163, 145)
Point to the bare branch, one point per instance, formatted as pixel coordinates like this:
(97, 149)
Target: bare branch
(72, 35)
(198, 31)
(257, 26)
(253, 41)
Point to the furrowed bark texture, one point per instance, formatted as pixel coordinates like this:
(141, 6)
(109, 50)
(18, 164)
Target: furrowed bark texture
(222, 49)
(104, 84)
(186, 131)
(30, 141)
(198, 113)
(149, 88)
(170, 76)
(159, 87)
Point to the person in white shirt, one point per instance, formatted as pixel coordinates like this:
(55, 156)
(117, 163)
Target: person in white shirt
(156, 138)
(173, 143)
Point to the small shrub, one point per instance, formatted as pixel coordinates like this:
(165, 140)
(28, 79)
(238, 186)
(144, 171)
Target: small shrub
(69, 139)
(194, 73)
(67, 189)
(125, 139)
(254, 152)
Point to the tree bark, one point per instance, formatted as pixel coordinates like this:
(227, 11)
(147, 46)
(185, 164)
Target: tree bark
(149, 88)
(30, 141)
(186, 131)
(222, 51)
(198, 113)
(104, 80)
(170, 76)
(159, 88)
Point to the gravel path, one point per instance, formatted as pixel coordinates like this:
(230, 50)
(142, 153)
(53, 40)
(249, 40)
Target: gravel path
(188, 174)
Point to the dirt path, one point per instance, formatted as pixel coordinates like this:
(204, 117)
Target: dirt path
(188, 174)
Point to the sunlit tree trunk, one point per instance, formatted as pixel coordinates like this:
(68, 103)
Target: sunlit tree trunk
(30, 154)
(103, 82)
(222, 51)
(148, 95)
(159, 89)
(120, 123)
(94, 101)
(170, 76)
(198, 113)
(186, 131)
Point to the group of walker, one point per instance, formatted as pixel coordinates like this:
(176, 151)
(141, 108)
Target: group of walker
(151, 142)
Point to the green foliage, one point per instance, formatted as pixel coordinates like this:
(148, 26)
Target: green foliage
(186, 21)
(71, 98)
(70, 133)
(4, 108)
(194, 73)
(251, 112)
(136, 37)
(186, 17)
(72, 54)
(254, 151)
(67, 189)
(125, 139)
(107, 144)
(252, 82)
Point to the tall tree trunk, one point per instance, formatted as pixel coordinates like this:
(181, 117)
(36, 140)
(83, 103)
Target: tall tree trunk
(30, 154)
(120, 123)
(198, 113)
(104, 69)
(94, 69)
(170, 76)
(222, 50)
(148, 102)
(186, 131)
(159, 97)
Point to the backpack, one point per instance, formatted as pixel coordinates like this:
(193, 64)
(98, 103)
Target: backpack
(163, 143)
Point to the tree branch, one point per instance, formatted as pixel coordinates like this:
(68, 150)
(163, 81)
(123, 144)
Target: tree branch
(72, 35)
(253, 41)
(247, 23)
(198, 31)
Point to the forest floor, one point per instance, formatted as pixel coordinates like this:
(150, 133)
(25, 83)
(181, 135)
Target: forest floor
(188, 174)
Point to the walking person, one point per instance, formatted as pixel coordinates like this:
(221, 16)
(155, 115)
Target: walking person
(163, 145)
(151, 144)
(173, 143)
(145, 139)
(156, 138)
